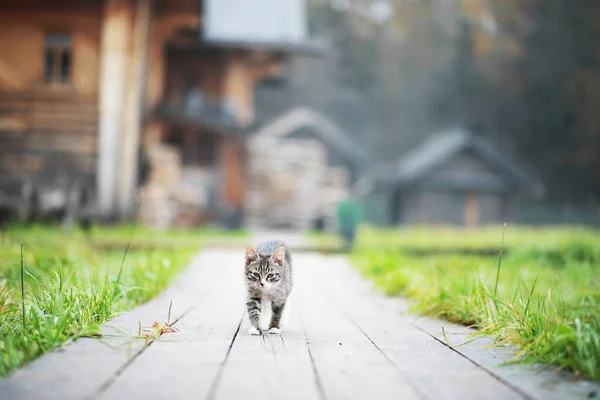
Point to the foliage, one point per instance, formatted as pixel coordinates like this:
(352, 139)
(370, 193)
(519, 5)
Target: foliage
(547, 292)
(71, 285)
(523, 73)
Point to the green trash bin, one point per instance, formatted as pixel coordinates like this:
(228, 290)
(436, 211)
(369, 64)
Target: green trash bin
(348, 218)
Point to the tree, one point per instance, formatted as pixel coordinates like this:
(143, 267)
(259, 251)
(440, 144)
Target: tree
(558, 134)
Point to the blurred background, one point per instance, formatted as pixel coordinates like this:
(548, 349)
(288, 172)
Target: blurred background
(269, 113)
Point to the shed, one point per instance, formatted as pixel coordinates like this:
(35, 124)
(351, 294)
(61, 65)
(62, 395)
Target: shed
(300, 165)
(453, 178)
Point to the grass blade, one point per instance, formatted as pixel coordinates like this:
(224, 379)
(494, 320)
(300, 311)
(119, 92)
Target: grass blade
(499, 261)
(22, 287)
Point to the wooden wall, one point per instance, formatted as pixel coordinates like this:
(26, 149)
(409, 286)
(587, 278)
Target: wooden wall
(467, 167)
(165, 23)
(47, 129)
(204, 70)
(244, 70)
(433, 207)
(477, 198)
(22, 47)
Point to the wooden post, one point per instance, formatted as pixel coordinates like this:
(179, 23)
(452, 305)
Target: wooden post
(239, 87)
(231, 160)
(116, 27)
(239, 80)
(471, 209)
(134, 107)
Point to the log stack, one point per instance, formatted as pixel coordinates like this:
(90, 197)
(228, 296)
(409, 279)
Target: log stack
(174, 195)
(157, 201)
(290, 183)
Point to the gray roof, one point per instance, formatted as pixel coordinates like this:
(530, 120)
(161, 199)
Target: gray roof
(436, 150)
(302, 117)
(263, 23)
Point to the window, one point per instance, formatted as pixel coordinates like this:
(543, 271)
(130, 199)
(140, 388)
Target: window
(58, 58)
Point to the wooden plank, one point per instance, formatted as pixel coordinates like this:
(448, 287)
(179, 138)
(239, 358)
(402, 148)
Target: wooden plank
(414, 354)
(65, 130)
(21, 162)
(63, 94)
(406, 340)
(79, 118)
(83, 368)
(186, 364)
(35, 143)
(88, 107)
(270, 366)
(343, 341)
(74, 144)
(14, 108)
(349, 366)
(536, 381)
(53, 161)
(191, 361)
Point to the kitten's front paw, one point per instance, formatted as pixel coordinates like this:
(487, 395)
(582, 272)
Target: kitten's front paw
(274, 330)
(253, 331)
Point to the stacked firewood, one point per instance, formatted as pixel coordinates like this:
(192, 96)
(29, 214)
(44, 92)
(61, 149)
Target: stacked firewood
(157, 197)
(291, 184)
(174, 195)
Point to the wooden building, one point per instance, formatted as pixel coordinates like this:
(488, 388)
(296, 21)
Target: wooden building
(453, 178)
(300, 166)
(85, 85)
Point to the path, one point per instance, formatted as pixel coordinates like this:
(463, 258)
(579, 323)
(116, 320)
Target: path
(342, 342)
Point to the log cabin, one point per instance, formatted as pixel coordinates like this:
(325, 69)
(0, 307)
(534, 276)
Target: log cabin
(455, 178)
(87, 86)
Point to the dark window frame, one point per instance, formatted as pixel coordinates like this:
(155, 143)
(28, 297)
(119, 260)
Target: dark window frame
(58, 58)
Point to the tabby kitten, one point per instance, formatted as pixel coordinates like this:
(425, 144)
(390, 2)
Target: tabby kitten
(269, 282)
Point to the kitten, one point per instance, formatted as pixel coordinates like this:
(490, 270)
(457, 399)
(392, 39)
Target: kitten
(269, 281)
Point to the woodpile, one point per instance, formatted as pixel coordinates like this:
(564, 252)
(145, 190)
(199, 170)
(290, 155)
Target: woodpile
(290, 183)
(157, 203)
(173, 195)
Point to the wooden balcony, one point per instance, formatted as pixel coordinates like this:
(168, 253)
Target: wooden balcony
(199, 112)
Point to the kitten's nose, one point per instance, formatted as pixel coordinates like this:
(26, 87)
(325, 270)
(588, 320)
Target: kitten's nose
(262, 283)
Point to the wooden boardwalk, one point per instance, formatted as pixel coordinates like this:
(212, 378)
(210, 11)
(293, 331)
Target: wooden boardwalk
(343, 341)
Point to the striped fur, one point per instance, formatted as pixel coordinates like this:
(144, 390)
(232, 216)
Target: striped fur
(268, 274)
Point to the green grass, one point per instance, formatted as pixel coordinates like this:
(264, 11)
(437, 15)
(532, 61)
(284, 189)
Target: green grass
(544, 297)
(73, 283)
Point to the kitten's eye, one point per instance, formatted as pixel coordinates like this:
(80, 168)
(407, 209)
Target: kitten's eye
(256, 275)
(270, 276)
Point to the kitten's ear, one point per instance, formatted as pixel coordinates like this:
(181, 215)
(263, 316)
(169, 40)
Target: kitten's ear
(279, 256)
(251, 255)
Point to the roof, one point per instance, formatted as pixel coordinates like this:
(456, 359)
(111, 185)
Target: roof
(269, 24)
(326, 130)
(436, 150)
